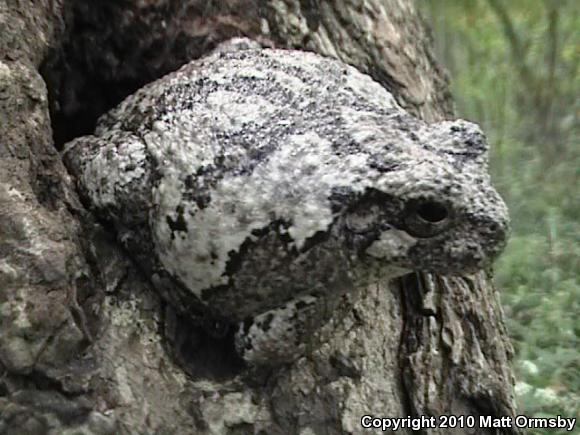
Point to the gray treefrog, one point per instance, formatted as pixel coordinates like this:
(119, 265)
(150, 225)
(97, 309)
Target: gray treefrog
(258, 186)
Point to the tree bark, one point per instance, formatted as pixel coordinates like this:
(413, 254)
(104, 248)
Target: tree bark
(83, 334)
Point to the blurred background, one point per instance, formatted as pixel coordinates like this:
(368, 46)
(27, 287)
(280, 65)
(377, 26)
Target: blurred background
(514, 68)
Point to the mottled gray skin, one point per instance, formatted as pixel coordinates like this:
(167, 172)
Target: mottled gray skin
(264, 184)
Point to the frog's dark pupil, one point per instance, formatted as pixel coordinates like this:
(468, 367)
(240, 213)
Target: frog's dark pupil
(432, 212)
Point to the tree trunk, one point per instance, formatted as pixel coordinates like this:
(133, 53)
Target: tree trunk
(82, 341)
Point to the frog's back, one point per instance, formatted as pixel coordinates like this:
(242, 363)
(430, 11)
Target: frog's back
(235, 157)
(284, 80)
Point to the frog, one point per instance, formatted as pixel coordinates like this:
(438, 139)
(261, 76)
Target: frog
(257, 187)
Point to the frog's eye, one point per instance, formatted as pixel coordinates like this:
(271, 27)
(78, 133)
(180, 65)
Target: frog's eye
(426, 218)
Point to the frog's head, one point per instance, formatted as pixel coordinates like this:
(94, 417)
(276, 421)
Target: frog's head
(431, 205)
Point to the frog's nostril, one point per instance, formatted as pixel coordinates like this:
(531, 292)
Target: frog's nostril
(432, 212)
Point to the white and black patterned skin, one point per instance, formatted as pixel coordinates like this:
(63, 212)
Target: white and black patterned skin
(264, 183)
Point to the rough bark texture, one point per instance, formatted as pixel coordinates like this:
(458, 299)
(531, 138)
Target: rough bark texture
(81, 331)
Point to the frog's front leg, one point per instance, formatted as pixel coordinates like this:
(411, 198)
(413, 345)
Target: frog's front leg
(282, 334)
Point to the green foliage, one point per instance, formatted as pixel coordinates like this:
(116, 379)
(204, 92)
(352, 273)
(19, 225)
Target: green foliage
(514, 69)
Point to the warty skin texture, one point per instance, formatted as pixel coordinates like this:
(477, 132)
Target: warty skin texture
(267, 183)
